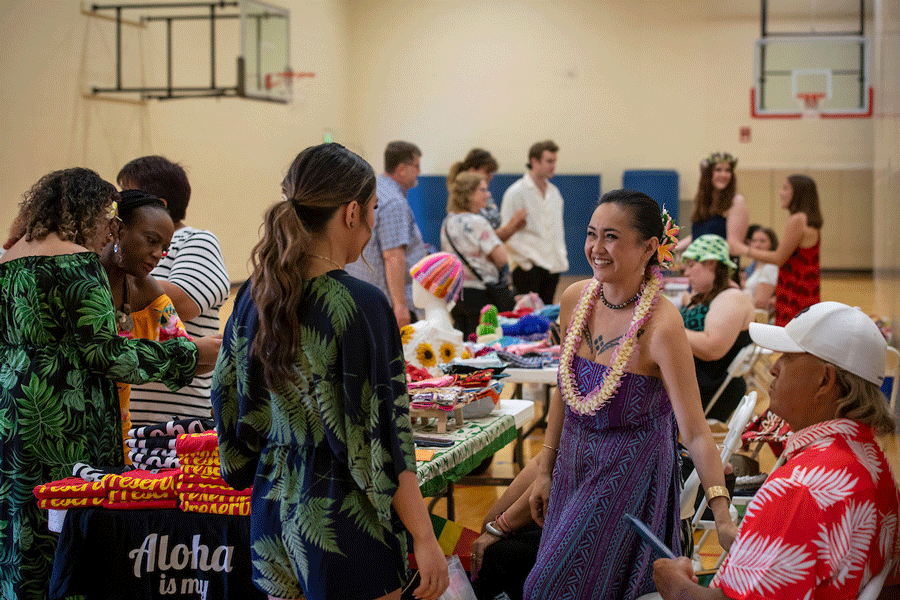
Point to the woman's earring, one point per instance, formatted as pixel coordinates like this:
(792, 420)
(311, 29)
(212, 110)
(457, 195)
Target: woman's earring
(116, 247)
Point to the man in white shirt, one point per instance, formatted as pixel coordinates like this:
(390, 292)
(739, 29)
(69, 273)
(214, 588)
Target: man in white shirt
(538, 251)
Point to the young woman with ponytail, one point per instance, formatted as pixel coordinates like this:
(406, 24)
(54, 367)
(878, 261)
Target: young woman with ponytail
(311, 402)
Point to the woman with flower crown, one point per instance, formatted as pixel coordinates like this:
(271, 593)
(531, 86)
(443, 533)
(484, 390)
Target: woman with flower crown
(718, 208)
(610, 443)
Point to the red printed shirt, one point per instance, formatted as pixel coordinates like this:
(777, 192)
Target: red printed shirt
(822, 525)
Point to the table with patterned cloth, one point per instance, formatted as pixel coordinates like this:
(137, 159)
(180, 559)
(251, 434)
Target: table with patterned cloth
(476, 440)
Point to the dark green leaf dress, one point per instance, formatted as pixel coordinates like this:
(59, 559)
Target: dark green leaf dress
(59, 356)
(324, 452)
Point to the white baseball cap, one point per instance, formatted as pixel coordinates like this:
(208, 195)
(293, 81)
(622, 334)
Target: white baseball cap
(836, 333)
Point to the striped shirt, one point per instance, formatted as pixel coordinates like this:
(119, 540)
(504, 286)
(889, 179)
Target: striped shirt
(194, 263)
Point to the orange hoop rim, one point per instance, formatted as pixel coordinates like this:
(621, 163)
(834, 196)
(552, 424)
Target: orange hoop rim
(272, 79)
(810, 99)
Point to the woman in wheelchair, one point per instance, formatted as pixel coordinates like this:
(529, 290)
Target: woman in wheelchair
(717, 315)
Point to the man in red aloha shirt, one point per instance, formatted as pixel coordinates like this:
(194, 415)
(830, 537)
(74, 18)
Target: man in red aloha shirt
(826, 522)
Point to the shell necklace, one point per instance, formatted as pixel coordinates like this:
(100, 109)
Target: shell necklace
(600, 395)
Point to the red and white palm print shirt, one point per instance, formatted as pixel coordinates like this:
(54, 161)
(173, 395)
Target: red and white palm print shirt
(822, 525)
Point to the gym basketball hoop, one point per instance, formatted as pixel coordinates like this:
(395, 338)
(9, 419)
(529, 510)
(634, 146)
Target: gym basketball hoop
(809, 103)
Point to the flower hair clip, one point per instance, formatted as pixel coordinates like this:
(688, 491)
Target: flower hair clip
(669, 239)
(719, 157)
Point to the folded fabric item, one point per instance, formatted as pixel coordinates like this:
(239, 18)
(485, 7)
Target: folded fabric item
(206, 457)
(90, 473)
(142, 481)
(432, 382)
(164, 452)
(154, 462)
(154, 442)
(198, 474)
(527, 325)
(214, 498)
(522, 362)
(217, 508)
(172, 428)
(67, 503)
(524, 348)
(139, 495)
(70, 487)
(145, 504)
(198, 442)
(476, 379)
(414, 373)
(185, 486)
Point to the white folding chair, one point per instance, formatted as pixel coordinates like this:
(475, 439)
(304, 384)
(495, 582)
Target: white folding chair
(736, 426)
(892, 369)
(741, 365)
(873, 588)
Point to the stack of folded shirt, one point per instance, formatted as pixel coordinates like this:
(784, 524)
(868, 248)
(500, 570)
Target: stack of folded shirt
(200, 486)
(71, 492)
(141, 489)
(152, 447)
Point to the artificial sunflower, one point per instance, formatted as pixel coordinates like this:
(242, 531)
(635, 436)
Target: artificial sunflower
(406, 333)
(448, 352)
(426, 355)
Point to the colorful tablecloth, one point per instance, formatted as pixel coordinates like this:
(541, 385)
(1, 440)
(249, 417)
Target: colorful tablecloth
(476, 440)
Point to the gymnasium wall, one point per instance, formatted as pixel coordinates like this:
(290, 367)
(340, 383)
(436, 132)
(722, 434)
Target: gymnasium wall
(618, 84)
(236, 151)
(886, 76)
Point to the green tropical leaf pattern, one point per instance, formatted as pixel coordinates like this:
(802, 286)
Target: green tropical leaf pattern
(59, 353)
(323, 450)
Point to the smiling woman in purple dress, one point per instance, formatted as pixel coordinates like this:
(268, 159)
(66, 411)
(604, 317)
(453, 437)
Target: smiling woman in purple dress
(610, 445)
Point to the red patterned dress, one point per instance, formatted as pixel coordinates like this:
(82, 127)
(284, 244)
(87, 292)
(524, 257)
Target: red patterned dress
(823, 525)
(798, 283)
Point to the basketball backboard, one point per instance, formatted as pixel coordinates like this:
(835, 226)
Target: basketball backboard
(257, 33)
(812, 76)
(264, 70)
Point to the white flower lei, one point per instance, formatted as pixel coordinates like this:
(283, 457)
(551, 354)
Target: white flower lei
(600, 395)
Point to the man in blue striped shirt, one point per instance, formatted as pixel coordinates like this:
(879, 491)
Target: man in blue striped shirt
(396, 243)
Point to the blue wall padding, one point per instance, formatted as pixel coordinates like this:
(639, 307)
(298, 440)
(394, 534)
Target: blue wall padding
(580, 194)
(661, 185)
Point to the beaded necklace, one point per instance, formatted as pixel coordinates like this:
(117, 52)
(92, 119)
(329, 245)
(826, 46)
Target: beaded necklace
(600, 395)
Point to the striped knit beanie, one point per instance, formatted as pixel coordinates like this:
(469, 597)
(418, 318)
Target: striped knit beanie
(441, 274)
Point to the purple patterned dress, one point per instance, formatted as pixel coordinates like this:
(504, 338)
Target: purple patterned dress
(622, 459)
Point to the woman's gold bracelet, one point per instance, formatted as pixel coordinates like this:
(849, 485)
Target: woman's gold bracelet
(550, 447)
(714, 491)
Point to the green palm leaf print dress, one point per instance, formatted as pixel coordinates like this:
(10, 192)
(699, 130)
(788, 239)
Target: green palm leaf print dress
(59, 357)
(323, 452)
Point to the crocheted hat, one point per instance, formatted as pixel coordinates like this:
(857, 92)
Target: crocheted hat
(441, 274)
(709, 247)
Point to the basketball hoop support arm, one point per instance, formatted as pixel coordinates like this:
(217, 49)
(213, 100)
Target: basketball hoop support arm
(170, 91)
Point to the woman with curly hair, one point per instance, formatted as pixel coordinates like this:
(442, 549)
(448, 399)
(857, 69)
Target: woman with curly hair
(311, 402)
(60, 354)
